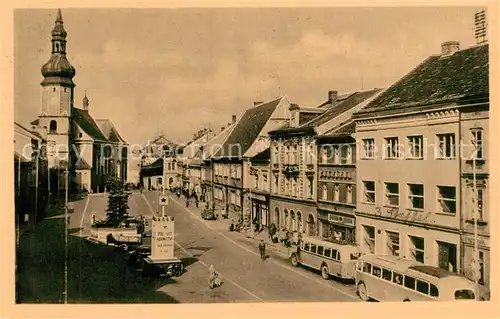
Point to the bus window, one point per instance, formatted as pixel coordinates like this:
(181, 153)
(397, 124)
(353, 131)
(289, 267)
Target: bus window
(397, 279)
(367, 268)
(434, 291)
(306, 246)
(320, 250)
(335, 254)
(313, 248)
(464, 294)
(328, 252)
(377, 271)
(359, 265)
(422, 287)
(410, 282)
(387, 274)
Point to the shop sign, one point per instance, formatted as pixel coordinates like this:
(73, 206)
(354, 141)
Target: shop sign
(480, 241)
(340, 219)
(408, 216)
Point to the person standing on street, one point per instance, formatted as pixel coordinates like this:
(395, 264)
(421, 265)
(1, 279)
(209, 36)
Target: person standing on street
(262, 249)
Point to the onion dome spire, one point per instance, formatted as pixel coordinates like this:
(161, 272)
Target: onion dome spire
(58, 70)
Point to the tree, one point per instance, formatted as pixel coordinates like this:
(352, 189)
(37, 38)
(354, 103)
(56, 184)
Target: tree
(117, 202)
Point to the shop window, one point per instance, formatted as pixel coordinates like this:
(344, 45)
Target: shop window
(369, 237)
(391, 147)
(393, 243)
(415, 144)
(416, 196)
(477, 142)
(369, 192)
(392, 194)
(446, 146)
(417, 248)
(369, 148)
(446, 199)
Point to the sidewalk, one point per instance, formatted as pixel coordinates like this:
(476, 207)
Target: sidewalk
(249, 238)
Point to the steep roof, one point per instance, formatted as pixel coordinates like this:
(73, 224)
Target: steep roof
(87, 123)
(344, 104)
(265, 155)
(214, 144)
(109, 130)
(247, 129)
(465, 74)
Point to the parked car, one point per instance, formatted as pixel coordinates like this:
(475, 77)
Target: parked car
(137, 255)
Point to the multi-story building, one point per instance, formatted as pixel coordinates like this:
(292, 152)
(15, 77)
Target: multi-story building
(260, 181)
(205, 154)
(293, 199)
(409, 169)
(231, 161)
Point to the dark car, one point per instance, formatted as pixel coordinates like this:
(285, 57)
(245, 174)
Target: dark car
(137, 255)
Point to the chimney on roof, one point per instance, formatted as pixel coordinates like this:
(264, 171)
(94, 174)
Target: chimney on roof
(449, 47)
(332, 96)
(255, 103)
(233, 119)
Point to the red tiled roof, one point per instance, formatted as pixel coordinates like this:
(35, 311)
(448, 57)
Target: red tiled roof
(465, 74)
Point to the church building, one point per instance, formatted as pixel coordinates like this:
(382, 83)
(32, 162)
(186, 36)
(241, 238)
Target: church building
(93, 150)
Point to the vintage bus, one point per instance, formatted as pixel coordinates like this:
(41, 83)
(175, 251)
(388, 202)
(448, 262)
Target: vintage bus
(332, 259)
(392, 278)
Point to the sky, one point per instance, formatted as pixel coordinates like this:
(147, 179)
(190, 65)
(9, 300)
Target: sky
(180, 70)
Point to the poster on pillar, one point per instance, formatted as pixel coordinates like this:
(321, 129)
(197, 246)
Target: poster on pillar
(162, 239)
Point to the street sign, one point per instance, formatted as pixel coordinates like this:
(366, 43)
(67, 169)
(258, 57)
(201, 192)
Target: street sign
(163, 200)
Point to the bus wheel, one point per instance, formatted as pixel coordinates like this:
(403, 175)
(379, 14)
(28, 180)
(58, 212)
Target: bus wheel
(406, 300)
(362, 293)
(294, 260)
(324, 272)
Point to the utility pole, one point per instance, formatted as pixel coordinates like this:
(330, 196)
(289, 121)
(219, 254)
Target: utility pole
(66, 221)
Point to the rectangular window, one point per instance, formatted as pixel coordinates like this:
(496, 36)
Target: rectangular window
(391, 147)
(446, 199)
(369, 238)
(387, 274)
(423, 287)
(324, 155)
(313, 248)
(335, 254)
(477, 142)
(369, 192)
(416, 196)
(311, 187)
(376, 271)
(410, 282)
(324, 191)
(306, 247)
(417, 248)
(415, 144)
(392, 243)
(336, 193)
(345, 154)
(446, 145)
(392, 194)
(336, 155)
(320, 250)
(276, 184)
(367, 267)
(264, 181)
(479, 203)
(397, 278)
(369, 148)
(328, 252)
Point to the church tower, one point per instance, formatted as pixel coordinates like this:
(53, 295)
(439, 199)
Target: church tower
(57, 95)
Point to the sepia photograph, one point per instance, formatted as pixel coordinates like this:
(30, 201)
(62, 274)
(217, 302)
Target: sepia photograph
(208, 155)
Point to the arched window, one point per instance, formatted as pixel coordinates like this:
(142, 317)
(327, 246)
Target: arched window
(53, 126)
(277, 217)
(293, 222)
(286, 219)
(299, 222)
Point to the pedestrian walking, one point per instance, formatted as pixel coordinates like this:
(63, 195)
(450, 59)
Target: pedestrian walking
(214, 280)
(262, 249)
